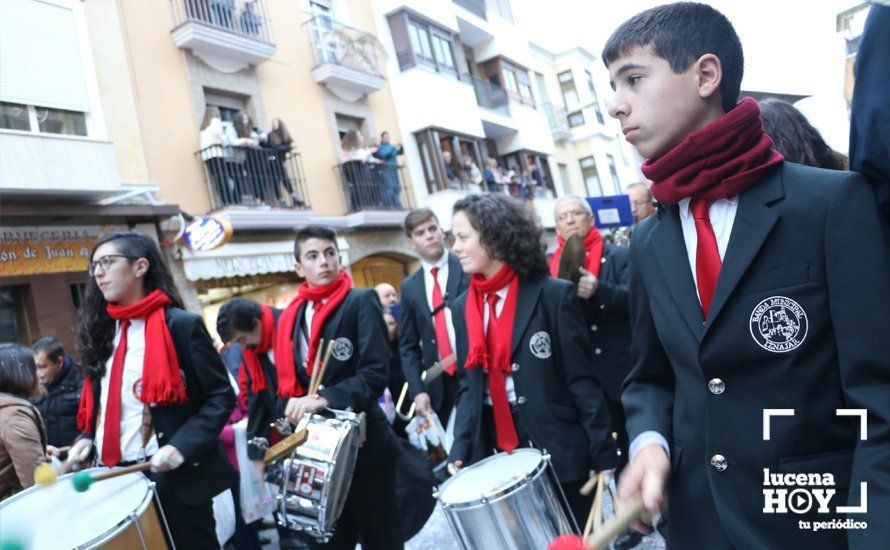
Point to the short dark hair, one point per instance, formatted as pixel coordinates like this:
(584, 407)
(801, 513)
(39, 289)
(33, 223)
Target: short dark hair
(50, 347)
(417, 217)
(18, 374)
(681, 33)
(383, 133)
(796, 138)
(507, 230)
(313, 232)
(237, 314)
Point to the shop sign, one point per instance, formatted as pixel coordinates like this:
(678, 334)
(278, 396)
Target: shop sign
(206, 233)
(50, 249)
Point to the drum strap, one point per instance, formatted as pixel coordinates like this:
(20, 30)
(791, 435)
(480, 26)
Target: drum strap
(147, 431)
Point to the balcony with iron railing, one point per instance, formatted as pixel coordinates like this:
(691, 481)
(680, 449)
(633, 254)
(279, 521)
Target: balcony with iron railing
(557, 118)
(254, 177)
(490, 96)
(348, 61)
(227, 34)
(374, 186)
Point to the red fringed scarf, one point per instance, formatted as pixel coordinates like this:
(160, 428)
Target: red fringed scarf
(593, 244)
(493, 353)
(717, 162)
(161, 380)
(285, 363)
(251, 362)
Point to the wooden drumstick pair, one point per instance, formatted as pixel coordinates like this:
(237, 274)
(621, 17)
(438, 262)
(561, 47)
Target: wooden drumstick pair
(319, 367)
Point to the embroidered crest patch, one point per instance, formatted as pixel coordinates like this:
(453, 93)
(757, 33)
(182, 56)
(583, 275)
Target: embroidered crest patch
(540, 345)
(342, 349)
(778, 324)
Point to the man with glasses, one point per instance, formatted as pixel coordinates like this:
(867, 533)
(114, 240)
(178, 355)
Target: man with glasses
(602, 287)
(641, 201)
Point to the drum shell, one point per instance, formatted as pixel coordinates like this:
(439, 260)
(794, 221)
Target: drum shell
(529, 514)
(145, 532)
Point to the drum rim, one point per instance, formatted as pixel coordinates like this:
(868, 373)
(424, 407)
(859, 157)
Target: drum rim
(540, 468)
(119, 528)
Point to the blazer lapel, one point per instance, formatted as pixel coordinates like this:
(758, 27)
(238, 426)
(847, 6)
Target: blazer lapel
(754, 220)
(670, 248)
(455, 273)
(525, 306)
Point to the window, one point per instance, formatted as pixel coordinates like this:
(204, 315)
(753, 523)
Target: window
(614, 174)
(513, 78)
(42, 120)
(509, 78)
(17, 314)
(502, 8)
(569, 93)
(596, 101)
(575, 119)
(591, 177)
(434, 144)
(564, 176)
(418, 42)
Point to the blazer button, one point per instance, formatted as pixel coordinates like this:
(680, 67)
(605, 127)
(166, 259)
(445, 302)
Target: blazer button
(718, 462)
(716, 386)
(514, 367)
(602, 261)
(602, 306)
(594, 328)
(520, 400)
(160, 435)
(598, 351)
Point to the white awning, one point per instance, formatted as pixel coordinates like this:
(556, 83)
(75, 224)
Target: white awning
(246, 259)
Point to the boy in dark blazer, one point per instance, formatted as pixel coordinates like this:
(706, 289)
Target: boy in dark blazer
(432, 288)
(759, 310)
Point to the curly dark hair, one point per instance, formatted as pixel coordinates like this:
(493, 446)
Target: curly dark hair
(795, 137)
(507, 230)
(95, 328)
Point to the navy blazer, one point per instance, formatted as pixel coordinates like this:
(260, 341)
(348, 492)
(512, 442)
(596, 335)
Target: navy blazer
(417, 339)
(358, 369)
(799, 320)
(193, 427)
(559, 399)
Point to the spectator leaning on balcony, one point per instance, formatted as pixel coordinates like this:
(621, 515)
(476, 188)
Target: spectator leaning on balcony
(250, 21)
(450, 174)
(215, 143)
(471, 173)
(252, 170)
(363, 186)
(388, 154)
(279, 142)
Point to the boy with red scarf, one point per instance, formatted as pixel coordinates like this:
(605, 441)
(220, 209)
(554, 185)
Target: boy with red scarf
(602, 288)
(759, 285)
(328, 307)
(523, 346)
(156, 389)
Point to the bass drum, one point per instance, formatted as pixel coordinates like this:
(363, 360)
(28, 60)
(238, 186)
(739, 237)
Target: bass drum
(115, 514)
(506, 501)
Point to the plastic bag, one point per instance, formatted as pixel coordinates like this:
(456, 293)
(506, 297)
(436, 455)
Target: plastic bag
(257, 501)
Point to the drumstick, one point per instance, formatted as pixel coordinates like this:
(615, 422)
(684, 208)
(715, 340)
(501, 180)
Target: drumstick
(324, 366)
(589, 486)
(83, 480)
(618, 524)
(594, 518)
(314, 374)
(286, 445)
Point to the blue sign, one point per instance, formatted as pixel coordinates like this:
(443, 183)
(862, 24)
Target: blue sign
(610, 212)
(206, 234)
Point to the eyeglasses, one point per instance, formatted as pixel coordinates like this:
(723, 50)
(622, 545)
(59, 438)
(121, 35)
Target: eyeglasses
(105, 262)
(642, 202)
(573, 214)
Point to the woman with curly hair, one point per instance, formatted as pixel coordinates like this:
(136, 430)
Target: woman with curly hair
(521, 340)
(155, 389)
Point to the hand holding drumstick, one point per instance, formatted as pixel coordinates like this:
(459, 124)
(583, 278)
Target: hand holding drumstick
(311, 402)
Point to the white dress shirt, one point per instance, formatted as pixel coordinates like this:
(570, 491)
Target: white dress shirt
(304, 343)
(131, 406)
(442, 278)
(499, 307)
(722, 213)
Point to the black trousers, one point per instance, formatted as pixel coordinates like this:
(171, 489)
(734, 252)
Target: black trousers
(579, 505)
(370, 513)
(450, 387)
(191, 527)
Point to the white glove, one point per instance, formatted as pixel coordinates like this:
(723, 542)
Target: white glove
(78, 454)
(167, 458)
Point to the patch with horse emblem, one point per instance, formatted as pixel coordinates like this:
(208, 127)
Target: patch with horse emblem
(540, 345)
(778, 324)
(342, 349)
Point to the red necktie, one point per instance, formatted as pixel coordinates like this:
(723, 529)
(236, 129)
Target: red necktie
(443, 343)
(505, 431)
(111, 440)
(707, 255)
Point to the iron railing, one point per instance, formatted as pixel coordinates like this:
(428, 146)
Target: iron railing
(473, 6)
(247, 18)
(338, 44)
(254, 176)
(374, 186)
(557, 117)
(490, 96)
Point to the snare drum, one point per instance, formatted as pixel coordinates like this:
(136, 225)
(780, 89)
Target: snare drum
(506, 501)
(116, 514)
(314, 481)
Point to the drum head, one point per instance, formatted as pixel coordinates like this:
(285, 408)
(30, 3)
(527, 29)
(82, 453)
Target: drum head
(490, 477)
(57, 516)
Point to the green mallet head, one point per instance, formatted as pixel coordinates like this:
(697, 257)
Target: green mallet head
(82, 481)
